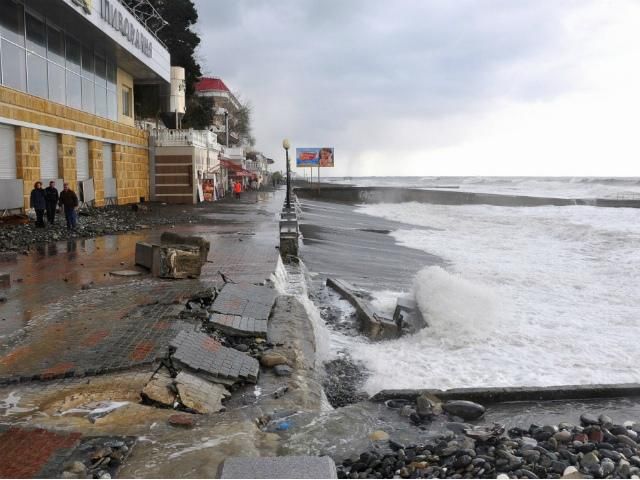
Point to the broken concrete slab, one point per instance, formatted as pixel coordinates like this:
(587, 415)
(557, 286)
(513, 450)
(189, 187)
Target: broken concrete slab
(200, 395)
(176, 262)
(239, 326)
(245, 300)
(279, 467)
(374, 326)
(172, 238)
(202, 354)
(158, 389)
(407, 316)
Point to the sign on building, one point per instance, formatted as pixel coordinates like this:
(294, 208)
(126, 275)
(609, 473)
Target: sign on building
(314, 157)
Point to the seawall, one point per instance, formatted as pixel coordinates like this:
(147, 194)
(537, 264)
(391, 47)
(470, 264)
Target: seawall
(353, 195)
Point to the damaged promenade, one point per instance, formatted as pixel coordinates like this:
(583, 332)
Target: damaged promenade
(106, 370)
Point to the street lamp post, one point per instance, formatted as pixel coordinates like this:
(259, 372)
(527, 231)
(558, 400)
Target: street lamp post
(286, 145)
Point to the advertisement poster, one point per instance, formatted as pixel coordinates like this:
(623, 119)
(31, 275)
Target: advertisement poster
(314, 157)
(207, 189)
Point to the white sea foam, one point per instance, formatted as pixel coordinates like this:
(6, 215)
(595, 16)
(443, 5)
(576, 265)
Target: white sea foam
(527, 296)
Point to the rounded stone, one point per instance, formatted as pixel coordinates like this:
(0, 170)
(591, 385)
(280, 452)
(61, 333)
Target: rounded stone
(181, 420)
(563, 436)
(464, 409)
(378, 436)
(588, 419)
(272, 359)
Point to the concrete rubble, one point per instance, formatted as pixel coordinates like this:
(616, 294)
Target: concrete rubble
(202, 354)
(177, 256)
(159, 389)
(199, 395)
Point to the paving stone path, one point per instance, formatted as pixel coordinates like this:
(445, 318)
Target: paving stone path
(99, 331)
(30, 453)
(245, 300)
(204, 355)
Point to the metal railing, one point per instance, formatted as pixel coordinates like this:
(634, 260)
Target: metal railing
(628, 196)
(190, 137)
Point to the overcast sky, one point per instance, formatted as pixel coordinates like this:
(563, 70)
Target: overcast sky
(425, 87)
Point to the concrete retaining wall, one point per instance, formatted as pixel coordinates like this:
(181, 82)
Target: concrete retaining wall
(445, 197)
(519, 394)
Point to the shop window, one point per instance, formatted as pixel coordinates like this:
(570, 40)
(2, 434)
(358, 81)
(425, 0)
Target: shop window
(126, 101)
(56, 83)
(88, 99)
(55, 45)
(101, 101)
(73, 54)
(12, 21)
(36, 36)
(37, 79)
(14, 70)
(74, 90)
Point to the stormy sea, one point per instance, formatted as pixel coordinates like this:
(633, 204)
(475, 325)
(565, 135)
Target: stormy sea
(514, 295)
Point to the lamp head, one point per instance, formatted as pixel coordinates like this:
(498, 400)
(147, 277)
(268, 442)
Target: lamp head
(286, 144)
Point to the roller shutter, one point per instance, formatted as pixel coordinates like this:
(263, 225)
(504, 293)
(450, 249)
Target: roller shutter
(7, 152)
(82, 159)
(48, 156)
(107, 160)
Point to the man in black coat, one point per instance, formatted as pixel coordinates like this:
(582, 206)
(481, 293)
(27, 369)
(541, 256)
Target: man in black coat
(38, 203)
(51, 195)
(69, 200)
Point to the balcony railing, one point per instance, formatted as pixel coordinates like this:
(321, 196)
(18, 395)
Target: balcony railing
(173, 138)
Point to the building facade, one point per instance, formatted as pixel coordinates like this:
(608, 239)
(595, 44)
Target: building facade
(67, 73)
(186, 166)
(226, 108)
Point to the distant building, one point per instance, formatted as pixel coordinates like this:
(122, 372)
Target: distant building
(67, 74)
(224, 102)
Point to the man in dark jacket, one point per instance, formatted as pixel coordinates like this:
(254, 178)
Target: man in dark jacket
(51, 195)
(38, 203)
(69, 200)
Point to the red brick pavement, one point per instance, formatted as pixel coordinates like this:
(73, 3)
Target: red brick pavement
(24, 453)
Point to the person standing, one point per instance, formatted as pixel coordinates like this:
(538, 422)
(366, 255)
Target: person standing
(237, 188)
(52, 197)
(38, 203)
(69, 200)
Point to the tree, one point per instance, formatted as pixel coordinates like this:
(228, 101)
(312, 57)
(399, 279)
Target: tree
(199, 113)
(242, 124)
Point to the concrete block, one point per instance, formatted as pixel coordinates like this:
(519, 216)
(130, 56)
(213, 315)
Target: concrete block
(288, 246)
(176, 262)
(157, 389)
(144, 254)
(279, 467)
(200, 395)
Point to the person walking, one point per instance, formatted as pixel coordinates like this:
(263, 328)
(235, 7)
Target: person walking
(52, 197)
(237, 188)
(69, 200)
(38, 203)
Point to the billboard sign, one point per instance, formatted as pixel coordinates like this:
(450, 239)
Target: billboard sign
(314, 157)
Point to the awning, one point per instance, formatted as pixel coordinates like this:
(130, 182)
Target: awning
(229, 165)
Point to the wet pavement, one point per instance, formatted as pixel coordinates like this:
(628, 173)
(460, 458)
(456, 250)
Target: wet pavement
(339, 242)
(72, 334)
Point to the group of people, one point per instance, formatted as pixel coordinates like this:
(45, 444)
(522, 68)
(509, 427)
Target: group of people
(48, 200)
